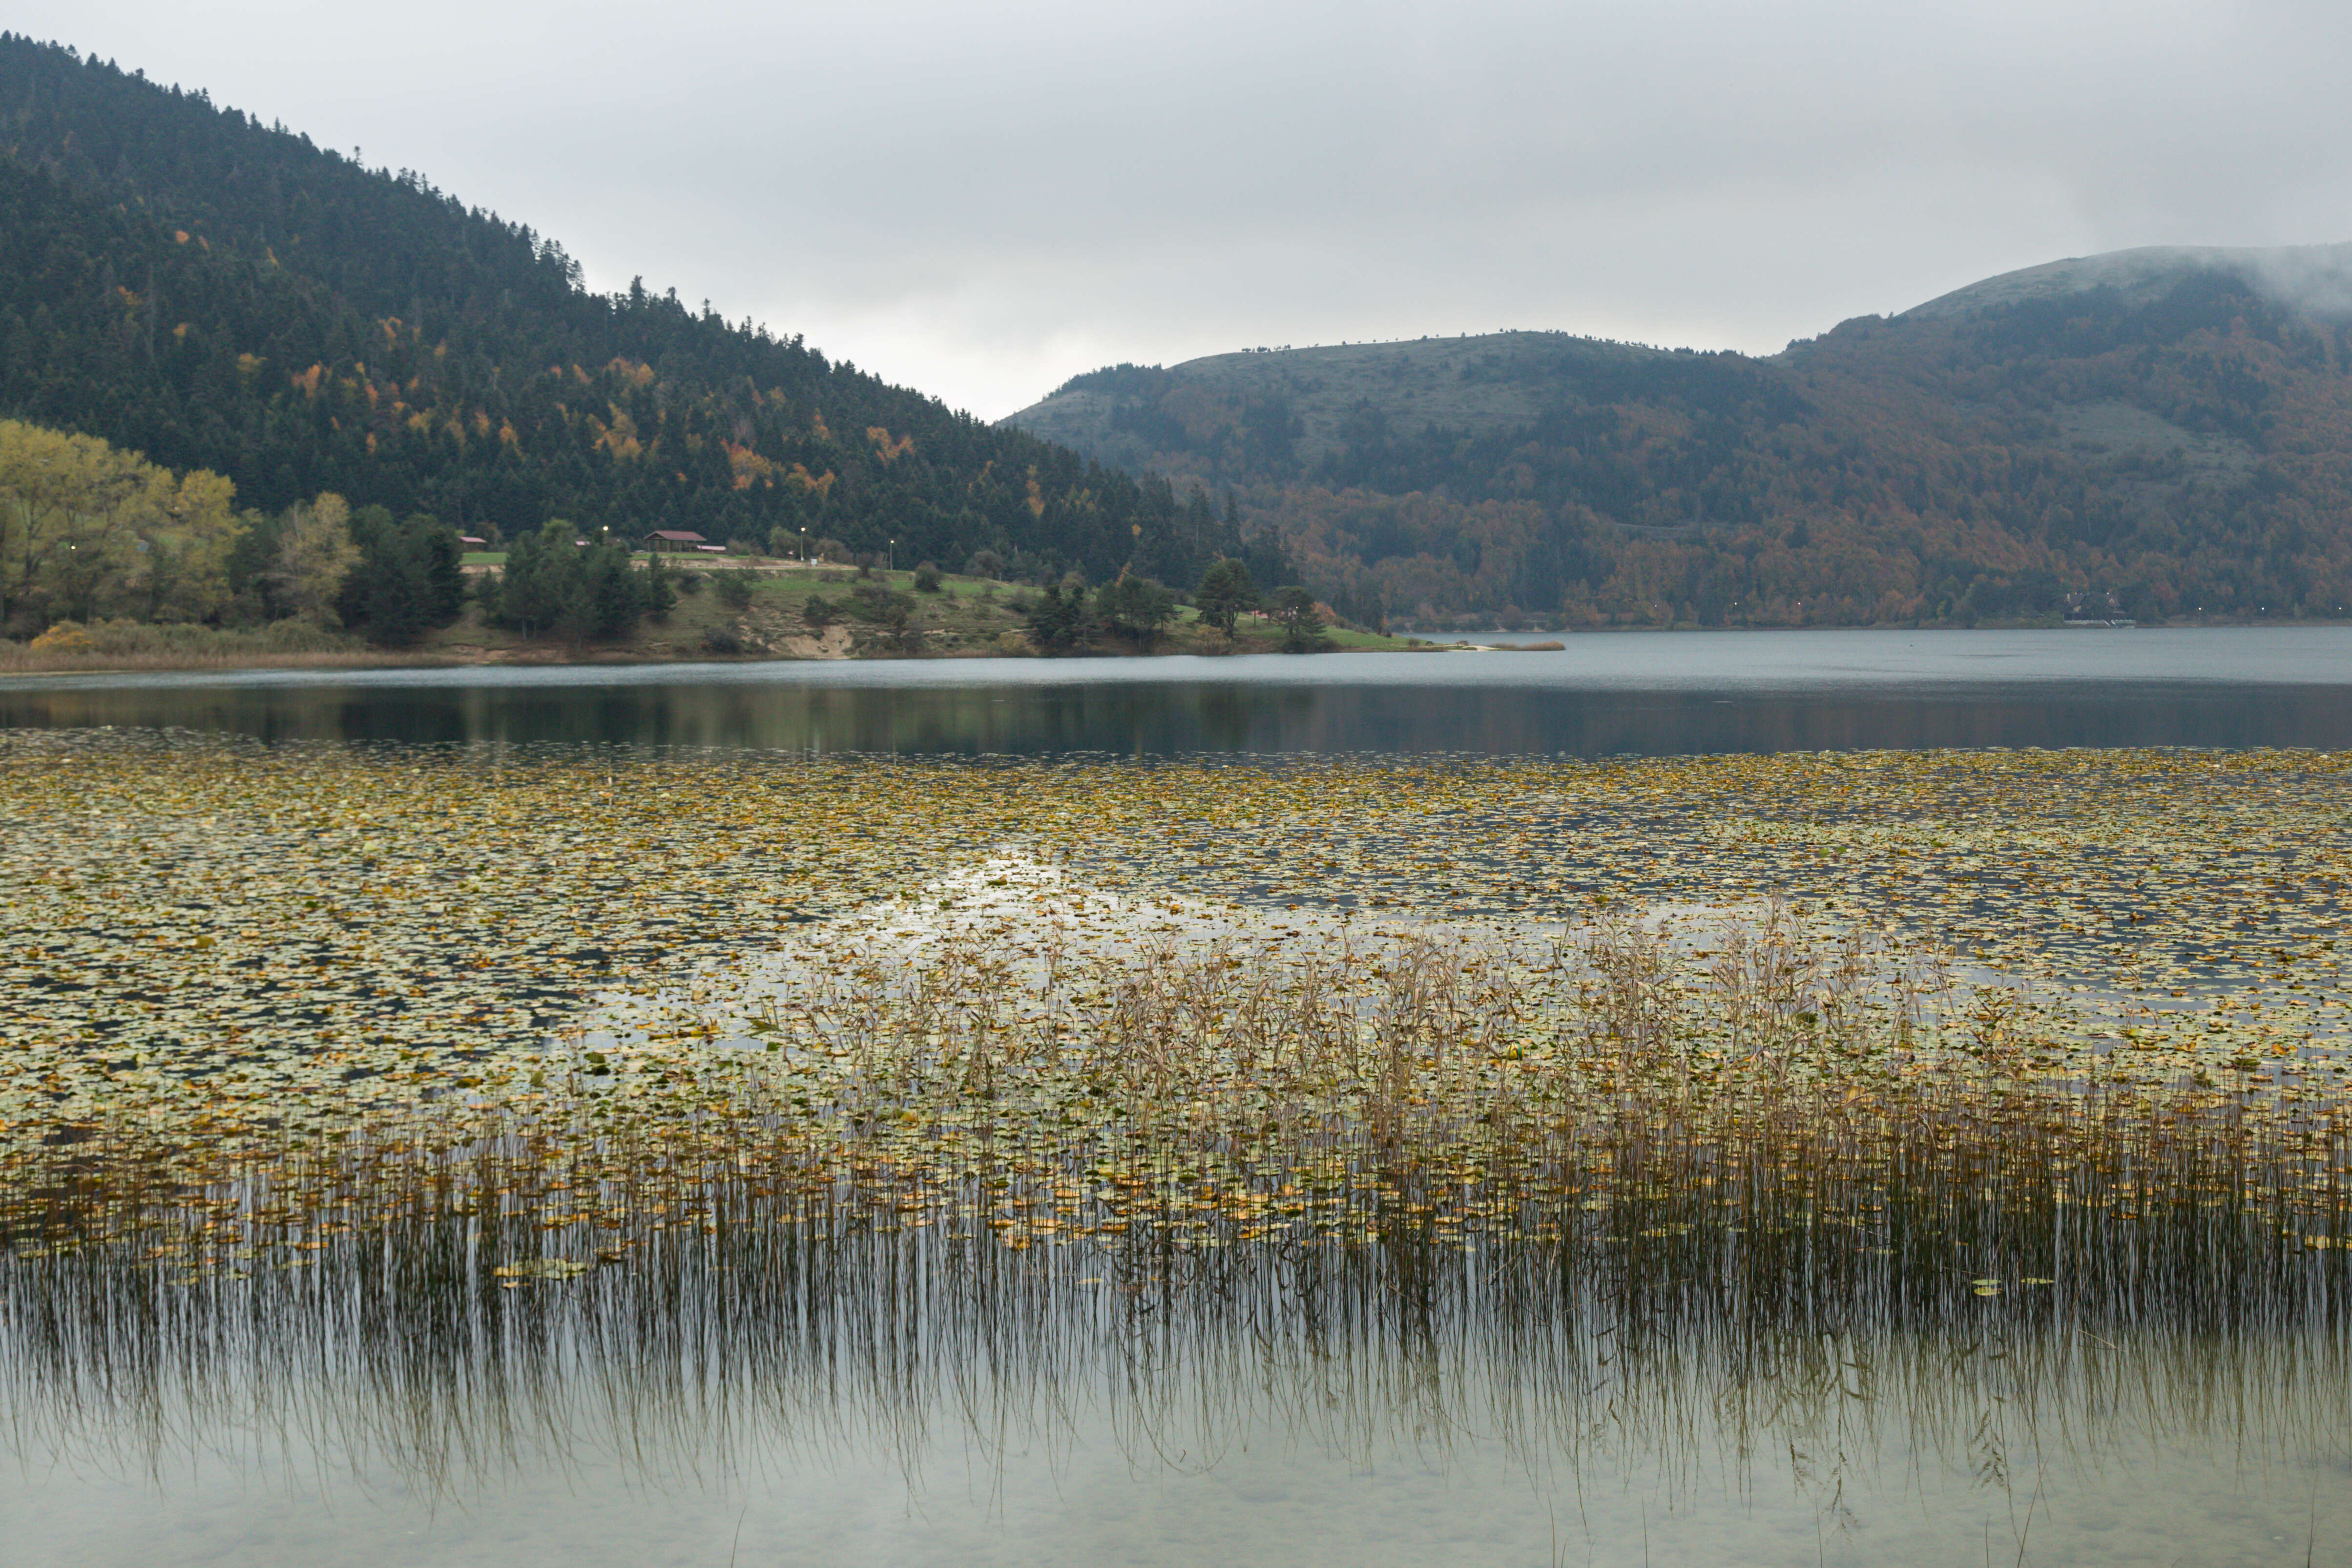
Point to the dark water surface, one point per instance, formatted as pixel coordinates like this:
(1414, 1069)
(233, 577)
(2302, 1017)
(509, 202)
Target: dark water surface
(1661, 694)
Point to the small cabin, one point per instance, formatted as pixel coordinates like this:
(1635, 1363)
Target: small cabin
(675, 540)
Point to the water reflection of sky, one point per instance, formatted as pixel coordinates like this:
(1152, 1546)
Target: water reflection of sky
(1662, 694)
(925, 1404)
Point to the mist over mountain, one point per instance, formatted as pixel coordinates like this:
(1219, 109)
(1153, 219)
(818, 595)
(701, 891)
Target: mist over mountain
(2155, 433)
(218, 293)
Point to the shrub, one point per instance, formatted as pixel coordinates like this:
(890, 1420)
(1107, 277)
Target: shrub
(179, 641)
(735, 588)
(66, 636)
(885, 606)
(927, 578)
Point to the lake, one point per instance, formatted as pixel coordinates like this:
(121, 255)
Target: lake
(1662, 694)
(891, 1404)
(2097, 1326)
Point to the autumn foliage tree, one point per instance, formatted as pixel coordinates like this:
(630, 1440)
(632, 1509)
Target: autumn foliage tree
(89, 532)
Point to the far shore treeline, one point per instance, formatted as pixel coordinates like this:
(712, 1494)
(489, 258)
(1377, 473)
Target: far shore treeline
(223, 297)
(96, 542)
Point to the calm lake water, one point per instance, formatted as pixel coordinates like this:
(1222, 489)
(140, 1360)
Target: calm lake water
(1056, 1410)
(946, 1404)
(1662, 694)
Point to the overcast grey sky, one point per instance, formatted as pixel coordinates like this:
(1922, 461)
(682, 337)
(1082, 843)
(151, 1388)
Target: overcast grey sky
(982, 198)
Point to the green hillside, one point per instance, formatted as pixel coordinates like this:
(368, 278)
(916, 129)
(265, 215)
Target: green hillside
(220, 294)
(2157, 434)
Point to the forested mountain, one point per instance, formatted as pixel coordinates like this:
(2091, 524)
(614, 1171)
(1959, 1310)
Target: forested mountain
(219, 294)
(2158, 434)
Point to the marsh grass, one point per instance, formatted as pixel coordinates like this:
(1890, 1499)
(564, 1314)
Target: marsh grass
(1349, 1084)
(970, 1156)
(2038, 1279)
(1349, 1200)
(137, 644)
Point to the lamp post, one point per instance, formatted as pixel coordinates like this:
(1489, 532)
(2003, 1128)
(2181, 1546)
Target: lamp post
(804, 547)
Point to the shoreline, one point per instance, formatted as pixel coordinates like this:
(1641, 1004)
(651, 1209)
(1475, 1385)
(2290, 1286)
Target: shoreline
(17, 660)
(162, 664)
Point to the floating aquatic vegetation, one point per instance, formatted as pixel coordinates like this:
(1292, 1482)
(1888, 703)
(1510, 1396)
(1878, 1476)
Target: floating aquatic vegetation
(260, 997)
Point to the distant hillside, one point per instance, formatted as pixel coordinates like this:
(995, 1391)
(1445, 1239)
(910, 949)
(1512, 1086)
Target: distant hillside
(2155, 433)
(220, 294)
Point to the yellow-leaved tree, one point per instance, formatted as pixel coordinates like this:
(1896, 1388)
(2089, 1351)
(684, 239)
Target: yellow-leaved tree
(89, 531)
(315, 554)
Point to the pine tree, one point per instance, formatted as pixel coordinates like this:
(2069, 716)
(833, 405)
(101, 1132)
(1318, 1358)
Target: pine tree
(1225, 594)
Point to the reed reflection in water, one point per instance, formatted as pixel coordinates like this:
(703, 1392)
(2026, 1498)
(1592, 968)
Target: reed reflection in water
(791, 1388)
